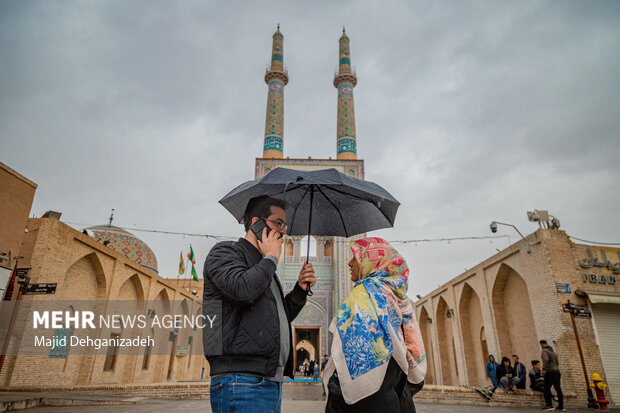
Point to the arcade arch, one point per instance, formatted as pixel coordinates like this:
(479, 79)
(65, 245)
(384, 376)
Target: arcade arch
(445, 335)
(84, 279)
(513, 316)
(470, 315)
(425, 329)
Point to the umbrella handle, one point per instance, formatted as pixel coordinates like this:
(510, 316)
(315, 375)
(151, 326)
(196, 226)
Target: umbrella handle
(308, 290)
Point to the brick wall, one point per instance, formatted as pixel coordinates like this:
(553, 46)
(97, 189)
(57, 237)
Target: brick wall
(519, 305)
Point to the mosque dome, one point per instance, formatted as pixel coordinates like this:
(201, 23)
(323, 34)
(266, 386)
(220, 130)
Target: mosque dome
(125, 243)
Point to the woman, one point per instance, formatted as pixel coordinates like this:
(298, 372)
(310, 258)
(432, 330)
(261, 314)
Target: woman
(491, 370)
(378, 360)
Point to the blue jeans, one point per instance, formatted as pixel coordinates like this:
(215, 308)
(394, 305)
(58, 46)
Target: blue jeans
(244, 393)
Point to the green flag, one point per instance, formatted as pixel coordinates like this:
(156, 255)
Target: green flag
(194, 273)
(191, 254)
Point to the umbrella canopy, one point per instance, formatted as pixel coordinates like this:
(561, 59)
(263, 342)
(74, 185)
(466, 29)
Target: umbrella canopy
(322, 202)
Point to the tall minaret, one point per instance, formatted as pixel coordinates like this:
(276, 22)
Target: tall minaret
(276, 77)
(345, 80)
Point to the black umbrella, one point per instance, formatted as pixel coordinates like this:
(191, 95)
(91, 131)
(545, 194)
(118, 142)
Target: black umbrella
(322, 202)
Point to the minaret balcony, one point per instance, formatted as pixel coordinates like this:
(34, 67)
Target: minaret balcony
(275, 74)
(340, 78)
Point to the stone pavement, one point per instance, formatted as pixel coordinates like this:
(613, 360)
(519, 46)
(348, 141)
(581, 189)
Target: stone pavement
(297, 398)
(292, 406)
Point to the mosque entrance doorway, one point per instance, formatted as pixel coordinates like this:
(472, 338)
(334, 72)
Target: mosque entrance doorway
(306, 342)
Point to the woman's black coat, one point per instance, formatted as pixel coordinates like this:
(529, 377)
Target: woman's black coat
(394, 396)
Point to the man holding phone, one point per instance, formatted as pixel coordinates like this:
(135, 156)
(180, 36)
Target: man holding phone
(257, 348)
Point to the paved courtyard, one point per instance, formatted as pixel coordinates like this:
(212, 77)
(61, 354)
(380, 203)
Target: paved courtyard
(297, 399)
(292, 406)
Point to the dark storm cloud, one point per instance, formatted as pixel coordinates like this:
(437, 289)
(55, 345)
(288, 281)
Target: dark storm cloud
(465, 112)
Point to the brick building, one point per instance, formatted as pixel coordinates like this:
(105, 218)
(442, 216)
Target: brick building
(102, 263)
(16, 195)
(506, 304)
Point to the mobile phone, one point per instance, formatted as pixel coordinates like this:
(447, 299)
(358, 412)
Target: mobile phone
(257, 228)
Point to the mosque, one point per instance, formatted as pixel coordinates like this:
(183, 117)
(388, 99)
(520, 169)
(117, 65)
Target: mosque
(501, 306)
(328, 255)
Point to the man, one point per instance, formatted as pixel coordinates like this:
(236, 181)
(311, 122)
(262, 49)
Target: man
(537, 380)
(492, 370)
(324, 362)
(505, 375)
(520, 371)
(551, 371)
(257, 350)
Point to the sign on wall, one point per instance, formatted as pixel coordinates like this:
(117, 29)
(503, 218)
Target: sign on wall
(593, 261)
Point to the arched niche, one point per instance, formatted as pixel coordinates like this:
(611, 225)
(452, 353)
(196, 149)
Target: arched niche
(513, 315)
(303, 249)
(290, 248)
(306, 345)
(470, 315)
(84, 280)
(328, 249)
(426, 331)
(445, 335)
(131, 289)
(161, 304)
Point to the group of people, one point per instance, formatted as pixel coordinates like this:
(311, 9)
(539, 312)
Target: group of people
(308, 368)
(377, 359)
(542, 376)
(506, 376)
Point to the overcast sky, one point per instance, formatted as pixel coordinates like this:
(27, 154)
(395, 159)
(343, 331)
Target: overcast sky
(467, 112)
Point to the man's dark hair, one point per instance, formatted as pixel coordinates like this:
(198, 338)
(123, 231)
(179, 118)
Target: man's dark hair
(505, 359)
(514, 355)
(535, 362)
(260, 207)
(543, 341)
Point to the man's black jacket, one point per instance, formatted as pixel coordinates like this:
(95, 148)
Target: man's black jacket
(238, 275)
(501, 371)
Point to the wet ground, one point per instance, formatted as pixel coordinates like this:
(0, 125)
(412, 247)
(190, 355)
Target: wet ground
(297, 399)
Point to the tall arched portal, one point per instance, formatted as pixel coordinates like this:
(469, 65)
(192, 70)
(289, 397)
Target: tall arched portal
(470, 314)
(425, 329)
(513, 316)
(445, 334)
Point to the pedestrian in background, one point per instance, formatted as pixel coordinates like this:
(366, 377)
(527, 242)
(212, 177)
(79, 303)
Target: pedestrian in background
(492, 370)
(324, 362)
(537, 380)
(520, 371)
(551, 371)
(506, 375)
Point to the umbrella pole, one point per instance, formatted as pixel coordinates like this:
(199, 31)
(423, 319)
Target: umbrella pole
(308, 290)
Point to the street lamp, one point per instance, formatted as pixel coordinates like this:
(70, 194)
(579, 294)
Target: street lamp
(494, 224)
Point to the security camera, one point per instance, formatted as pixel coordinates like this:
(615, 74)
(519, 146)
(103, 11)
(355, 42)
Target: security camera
(493, 227)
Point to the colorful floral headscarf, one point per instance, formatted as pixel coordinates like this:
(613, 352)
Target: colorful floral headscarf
(376, 322)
